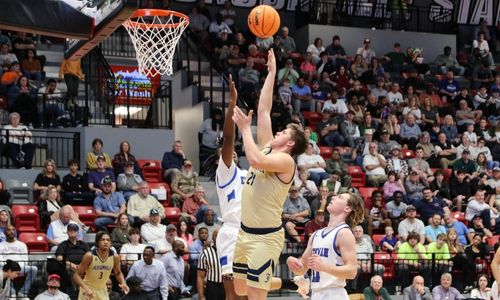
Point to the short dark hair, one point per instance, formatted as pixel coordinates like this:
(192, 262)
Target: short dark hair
(149, 248)
(12, 266)
(426, 188)
(134, 230)
(99, 236)
(97, 140)
(51, 80)
(73, 162)
(413, 235)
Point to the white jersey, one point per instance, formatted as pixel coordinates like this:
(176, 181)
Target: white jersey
(324, 245)
(229, 182)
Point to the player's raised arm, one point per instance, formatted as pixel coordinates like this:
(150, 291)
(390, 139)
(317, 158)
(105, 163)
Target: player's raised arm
(279, 162)
(228, 132)
(264, 129)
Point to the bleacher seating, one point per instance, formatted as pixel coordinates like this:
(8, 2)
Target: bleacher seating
(26, 218)
(36, 241)
(161, 190)
(358, 176)
(325, 152)
(151, 170)
(21, 191)
(172, 214)
(86, 214)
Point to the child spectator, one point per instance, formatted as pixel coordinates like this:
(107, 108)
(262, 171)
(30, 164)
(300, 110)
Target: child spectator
(390, 242)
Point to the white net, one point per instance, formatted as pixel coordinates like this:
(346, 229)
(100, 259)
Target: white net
(155, 34)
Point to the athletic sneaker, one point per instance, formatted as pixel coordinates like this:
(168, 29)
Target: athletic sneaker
(304, 284)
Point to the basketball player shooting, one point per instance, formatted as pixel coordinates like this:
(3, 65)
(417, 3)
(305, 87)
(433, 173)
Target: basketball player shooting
(97, 266)
(269, 178)
(331, 251)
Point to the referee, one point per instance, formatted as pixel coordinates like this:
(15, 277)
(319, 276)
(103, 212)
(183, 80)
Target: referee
(209, 268)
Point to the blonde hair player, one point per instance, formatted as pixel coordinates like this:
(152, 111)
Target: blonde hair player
(97, 266)
(331, 251)
(272, 168)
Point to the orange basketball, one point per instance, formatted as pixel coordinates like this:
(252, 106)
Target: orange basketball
(264, 21)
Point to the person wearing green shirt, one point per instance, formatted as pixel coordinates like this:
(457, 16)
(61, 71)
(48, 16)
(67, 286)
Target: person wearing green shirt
(439, 249)
(412, 257)
(376, 289)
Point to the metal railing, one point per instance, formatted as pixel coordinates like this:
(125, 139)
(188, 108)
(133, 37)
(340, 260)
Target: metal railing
(356, 13)
(61, 146)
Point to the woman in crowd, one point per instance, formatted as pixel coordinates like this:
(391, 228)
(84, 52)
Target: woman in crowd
(392, 185)
(450, 129)
(10, 271)
(481, 163)
(307, 187)
(4, 222)
(392, 125)
(439, 186)
(430, 114)
(368, 123)
(459, 258)
(358, 67)
(476, 252)
(414, 109)
(342, 78)
(120, 235)
(122, 157)
(31, 66)
(49, 207)
(97, 150)
(183, 233)
(47, 178)
(22, 99)
(21, 148)
(315, 49)
(359, 110)
(131, 251)
(482, 291)
(308, 68)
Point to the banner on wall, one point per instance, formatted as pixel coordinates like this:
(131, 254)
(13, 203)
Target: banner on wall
(133, 87)
(464, 12)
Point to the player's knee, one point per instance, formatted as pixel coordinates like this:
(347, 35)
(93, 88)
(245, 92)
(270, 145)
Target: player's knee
(240, 287)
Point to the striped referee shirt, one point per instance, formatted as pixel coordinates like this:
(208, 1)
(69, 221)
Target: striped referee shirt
(209, 262)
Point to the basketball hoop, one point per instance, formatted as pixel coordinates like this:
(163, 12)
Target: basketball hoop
(155, 34)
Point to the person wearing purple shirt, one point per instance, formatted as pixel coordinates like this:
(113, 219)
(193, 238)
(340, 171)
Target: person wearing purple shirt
(302, 98)
(449, 87)
(108, 206)
(97, 176)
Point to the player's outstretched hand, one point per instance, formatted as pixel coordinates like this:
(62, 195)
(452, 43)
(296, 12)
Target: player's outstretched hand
(295, 264)
(242, 120)
(271, 61)
(315, 263)
(124, 288)
(232, 90)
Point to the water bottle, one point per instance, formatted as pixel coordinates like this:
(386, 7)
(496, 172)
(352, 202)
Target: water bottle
(398, 290)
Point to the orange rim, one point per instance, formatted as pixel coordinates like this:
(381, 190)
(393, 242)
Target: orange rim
(183, 19)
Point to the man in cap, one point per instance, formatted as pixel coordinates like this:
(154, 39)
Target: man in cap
(411, 224)
(140, 205)
(366, 51)
(128, 182)
(153, 273)
(349, 129)
(362, 147)
(465, 164)
(396, 164)
(184, 184)
(53, 292)
(153, 231)
(296, 212)
(97, 176)
(71, 251)
(414, 188)
(385, 145)
(57, 231)
(108, 206)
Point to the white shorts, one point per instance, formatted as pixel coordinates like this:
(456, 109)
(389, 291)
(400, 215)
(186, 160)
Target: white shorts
(226, 242)
(330, 293)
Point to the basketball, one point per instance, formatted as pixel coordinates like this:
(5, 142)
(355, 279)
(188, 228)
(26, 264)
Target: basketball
(264, 21)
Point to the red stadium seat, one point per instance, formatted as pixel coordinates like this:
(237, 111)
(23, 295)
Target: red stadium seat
(86, 214)
(161, 190)
(151, 170)
(377, 238)
(172, 214)
(36, 241)
(460, 216)
(325, 152)
(358, 176)
(26, 218)
(387, 260)
(408, 153)
(312, 117)
(493, 240)
(366, 194)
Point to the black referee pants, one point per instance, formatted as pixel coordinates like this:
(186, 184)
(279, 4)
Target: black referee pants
(214, 291)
